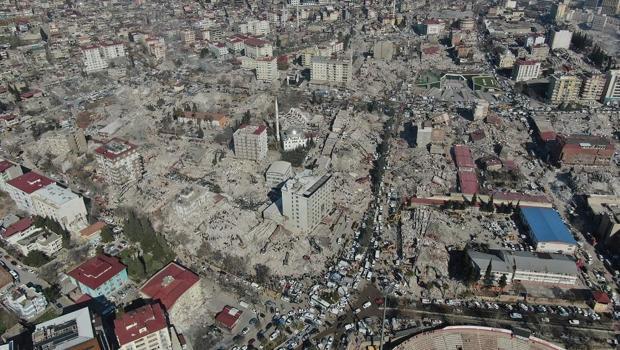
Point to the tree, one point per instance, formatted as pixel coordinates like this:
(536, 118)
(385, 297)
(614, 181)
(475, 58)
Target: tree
(247, 117)
(107, 235)
(262, 273)
(488, 277)
(36, 258)
(52, 293)
(503, 281)
(200, 133)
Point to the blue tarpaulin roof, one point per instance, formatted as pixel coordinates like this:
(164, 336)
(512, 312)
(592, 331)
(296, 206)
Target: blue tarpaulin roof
(546, 225)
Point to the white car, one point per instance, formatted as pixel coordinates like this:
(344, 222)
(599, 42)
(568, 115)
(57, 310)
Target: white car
(367, 305)
(516, 316)
(573, 322)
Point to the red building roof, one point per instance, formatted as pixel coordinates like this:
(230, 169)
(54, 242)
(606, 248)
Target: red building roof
(462, 157)
(169, 284)
(30, 182)
(139, 323)
(115, 148)
(97, 271)
(4, 165)
(255, 42)
(20, 226)
(601, 297)
(228, 317)
(468, 181)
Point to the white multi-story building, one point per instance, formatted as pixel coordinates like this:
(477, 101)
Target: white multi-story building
(156, 47)
(432, 27)
(294, 138)
(112, 50)
(93, 59)
(560, 39)
(592, 87)
(189, 201)
(306, 200)
(62, 205)
(250, 142)
(145, 328)
(267, 69)
(332, 71)
(218, 49)
(119, 162)
(255, 27)
(26, 302)
(21, 188)
(611, 7)
(326, 50)
(612, 86)
(188, 36)
(8, 171)
(526, 70)
(278, 172)
(66, 141)
(255, 48)
(48, 243)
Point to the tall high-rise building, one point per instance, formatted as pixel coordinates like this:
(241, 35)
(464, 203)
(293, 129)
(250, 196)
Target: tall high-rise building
(563, 88)
(560, 39)
(326, 70)
(66, 141)
(558, 11)
(610, 7)
(612, 86)
(267, 69)
(250, 142)
(145, 328)
(119, 162)
(526, 70)
(306, 200)
(592, 86)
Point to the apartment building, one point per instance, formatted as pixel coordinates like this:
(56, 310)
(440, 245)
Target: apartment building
(294, 138)
(218, 49)
(563, 89)
(612, 86)
(96, 57)
(250, 142)
(255, 27)
(16, 231)
(119, 162)
(306, 200)
(560, 39)
(62, 205)
(539, 52)
(48, 243)
(8, 171)
(592, 86)
(525, 70)
(21, 188)
(331, 71)
(156, 47)
(189, 201)
(255, 48)
(432, 26)
(74, 330)
(610, 7)
(25, 302)
(101, 275)
(326, 50)
(188, 36)
(145, 328)
(65, 141)
(267, 69)
(92, 59)
(506, 59)
(583, 150)
(278, 172)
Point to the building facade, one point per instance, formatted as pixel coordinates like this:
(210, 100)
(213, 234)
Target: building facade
(563, 89)
(21, 188)
(526, 70)
(267, 69)
(612, 86)
(67, 141)
(331, 71)
(62, 205)
(119, 162)
(255, 48)
(560, 39)
(99, 276)
(145, 328)
(25, 302)
(250, 142)
(8, 171)
(306, 200)
(586, 150)
(278, 172)
(592, 87)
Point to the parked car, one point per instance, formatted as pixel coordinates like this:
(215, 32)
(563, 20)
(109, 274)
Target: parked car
(516, 316)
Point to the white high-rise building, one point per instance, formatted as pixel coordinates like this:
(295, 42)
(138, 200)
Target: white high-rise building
(306, 200)
(119, 162)
(560, 39)
(93, 59)
(325, 70)
(145, 328)
(255, 27)
(526, 70)
(250, 142)
(612, 86)
(62, 205)
(267, 69)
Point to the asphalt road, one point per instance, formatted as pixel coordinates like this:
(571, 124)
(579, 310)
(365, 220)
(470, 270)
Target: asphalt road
(25, 276)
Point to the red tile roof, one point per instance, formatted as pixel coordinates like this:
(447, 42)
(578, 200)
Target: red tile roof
(94, 228)
(4, 165)
(30, 182)
(20, 226)
(255, 42)
(139, 323)
(601, 297)
(260, 130)
(228, 317)
(169, 284)
(468, 181)
(462, 157)
(96, 271)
